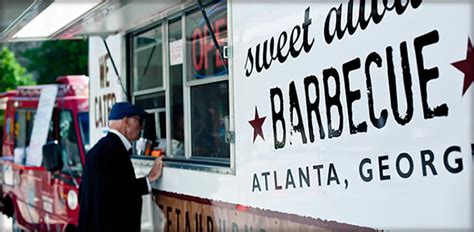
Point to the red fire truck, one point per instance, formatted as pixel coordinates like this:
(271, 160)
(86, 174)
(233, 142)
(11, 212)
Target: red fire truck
(40, 186)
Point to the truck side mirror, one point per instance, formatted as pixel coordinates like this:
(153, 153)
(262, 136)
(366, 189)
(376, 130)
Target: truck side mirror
(52, 156)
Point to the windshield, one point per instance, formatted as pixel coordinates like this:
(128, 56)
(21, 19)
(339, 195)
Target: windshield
(84, 127)
(69, 145)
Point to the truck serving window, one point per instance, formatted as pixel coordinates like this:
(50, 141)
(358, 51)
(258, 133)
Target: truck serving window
(207, 78)
(175, 67)
(181, 79)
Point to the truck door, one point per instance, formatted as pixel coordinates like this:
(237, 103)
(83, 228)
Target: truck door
(72, 164)
(63, 186)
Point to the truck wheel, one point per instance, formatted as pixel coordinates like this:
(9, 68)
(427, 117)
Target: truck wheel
(8, 206)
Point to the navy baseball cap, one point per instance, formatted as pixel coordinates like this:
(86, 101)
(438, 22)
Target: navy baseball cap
(125, 109)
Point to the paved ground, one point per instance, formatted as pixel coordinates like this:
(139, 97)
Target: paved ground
(5, 223)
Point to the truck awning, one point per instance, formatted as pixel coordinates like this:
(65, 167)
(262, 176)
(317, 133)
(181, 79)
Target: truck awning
(23, 20)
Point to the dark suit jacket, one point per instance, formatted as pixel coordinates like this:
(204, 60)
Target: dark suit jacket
(110, 195)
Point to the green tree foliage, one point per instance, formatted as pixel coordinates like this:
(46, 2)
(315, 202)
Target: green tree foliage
(58, 58)
(12, 74)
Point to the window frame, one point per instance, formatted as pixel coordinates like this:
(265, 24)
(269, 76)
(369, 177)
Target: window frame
(133, 51)
(188, 161)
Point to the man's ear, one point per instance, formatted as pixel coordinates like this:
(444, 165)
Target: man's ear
(124, 122)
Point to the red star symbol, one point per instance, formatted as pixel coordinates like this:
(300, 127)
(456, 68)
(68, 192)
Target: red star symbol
(257, 123)
(466, 66)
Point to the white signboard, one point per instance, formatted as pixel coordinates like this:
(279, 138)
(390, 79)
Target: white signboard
(358, 119)
(105, 88)
(176, 52)
(39, 134)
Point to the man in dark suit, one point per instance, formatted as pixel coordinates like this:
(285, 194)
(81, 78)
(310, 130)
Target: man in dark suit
(110, 194)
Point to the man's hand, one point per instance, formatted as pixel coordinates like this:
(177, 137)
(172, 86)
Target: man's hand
(156, 169)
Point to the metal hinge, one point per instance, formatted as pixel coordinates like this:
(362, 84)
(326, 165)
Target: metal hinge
(226, 52)
(230, 137)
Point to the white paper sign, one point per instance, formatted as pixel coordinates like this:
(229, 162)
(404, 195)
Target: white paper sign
(176, 52)
(39, 134)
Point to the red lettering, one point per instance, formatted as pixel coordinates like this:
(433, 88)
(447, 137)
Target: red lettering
(203, 52)
(209, 47)
(196, 44)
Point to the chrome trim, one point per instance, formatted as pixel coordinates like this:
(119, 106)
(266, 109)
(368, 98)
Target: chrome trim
(147, 91)
(187, 164)
(24, 18)
(208, 80)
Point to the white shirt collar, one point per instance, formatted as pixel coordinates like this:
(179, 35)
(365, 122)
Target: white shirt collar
(125, 141)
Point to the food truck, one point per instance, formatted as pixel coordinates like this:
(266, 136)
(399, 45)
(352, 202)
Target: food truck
(45, 138)
(304, 115)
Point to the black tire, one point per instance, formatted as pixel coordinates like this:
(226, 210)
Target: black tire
(8, 206)
(70, 228)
